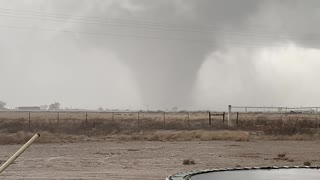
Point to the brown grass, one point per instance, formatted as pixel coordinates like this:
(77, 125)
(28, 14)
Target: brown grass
(15, 128)
(46, 137)
(156, 135)
(194, 135)
(275, 126)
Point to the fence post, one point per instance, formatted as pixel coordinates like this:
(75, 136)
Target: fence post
(237, 118)
(86, 119)
(223, 115)
(282, 123)
(188, 120)
(209, 118)
(317, 123)
(29, 122)
(246, 110)
(138, 120)
(58, 119)
(164, 119)
(229, 114)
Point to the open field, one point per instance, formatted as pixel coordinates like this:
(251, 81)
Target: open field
(156, 135)
(117, 160)
(101, 123)
(152, 145)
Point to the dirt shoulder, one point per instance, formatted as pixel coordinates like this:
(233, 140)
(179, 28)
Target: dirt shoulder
(116, 160)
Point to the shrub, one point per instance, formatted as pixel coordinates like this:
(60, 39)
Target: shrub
(307, 163)
(188, 162)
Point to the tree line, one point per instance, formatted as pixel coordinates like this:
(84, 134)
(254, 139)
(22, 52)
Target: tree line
(51, 107)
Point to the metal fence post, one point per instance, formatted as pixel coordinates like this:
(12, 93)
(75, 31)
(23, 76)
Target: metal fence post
(223, 116)
(58, 119)
(189, 120)
(86, 119)
(29, 122)
(317, 123)
(229, 114)
(282, 122)
(237, 118)
(164, 119)
(138, 120)
(246, 109)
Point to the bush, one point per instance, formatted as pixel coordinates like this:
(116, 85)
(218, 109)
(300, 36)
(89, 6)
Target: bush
(188, 162)
(307, 163)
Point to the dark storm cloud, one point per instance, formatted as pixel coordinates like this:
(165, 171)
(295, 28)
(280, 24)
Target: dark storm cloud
(166, 69)
(153, 49)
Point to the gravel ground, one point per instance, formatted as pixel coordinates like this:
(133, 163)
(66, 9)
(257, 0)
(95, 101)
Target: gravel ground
(135, 160)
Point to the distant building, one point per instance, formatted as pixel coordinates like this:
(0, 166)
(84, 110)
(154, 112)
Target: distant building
(29, 108)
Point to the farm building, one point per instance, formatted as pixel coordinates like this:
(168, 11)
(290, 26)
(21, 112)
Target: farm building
(28, 108)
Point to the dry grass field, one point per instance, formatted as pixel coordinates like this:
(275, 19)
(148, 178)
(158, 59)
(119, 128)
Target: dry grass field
(102, 123)
(97, 123)
(152, 145)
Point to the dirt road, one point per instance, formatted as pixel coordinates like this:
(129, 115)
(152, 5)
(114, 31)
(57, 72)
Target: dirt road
(114, 160)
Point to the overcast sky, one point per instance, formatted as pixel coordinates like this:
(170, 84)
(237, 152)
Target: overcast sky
(130, 54)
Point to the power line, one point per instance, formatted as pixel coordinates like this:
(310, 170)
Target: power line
(155, 26)
(234, 34)
(80, 20)
(207, 43)
(104, 34)
(61, 15)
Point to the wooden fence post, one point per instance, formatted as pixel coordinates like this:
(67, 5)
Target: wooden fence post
(209, 118)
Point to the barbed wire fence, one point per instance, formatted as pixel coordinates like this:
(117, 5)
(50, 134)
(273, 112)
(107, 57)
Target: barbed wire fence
(246, 114)
(60, 120)
(235, 117)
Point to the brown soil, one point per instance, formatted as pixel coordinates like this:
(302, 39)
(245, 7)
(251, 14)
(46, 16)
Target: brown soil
(114, 160)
